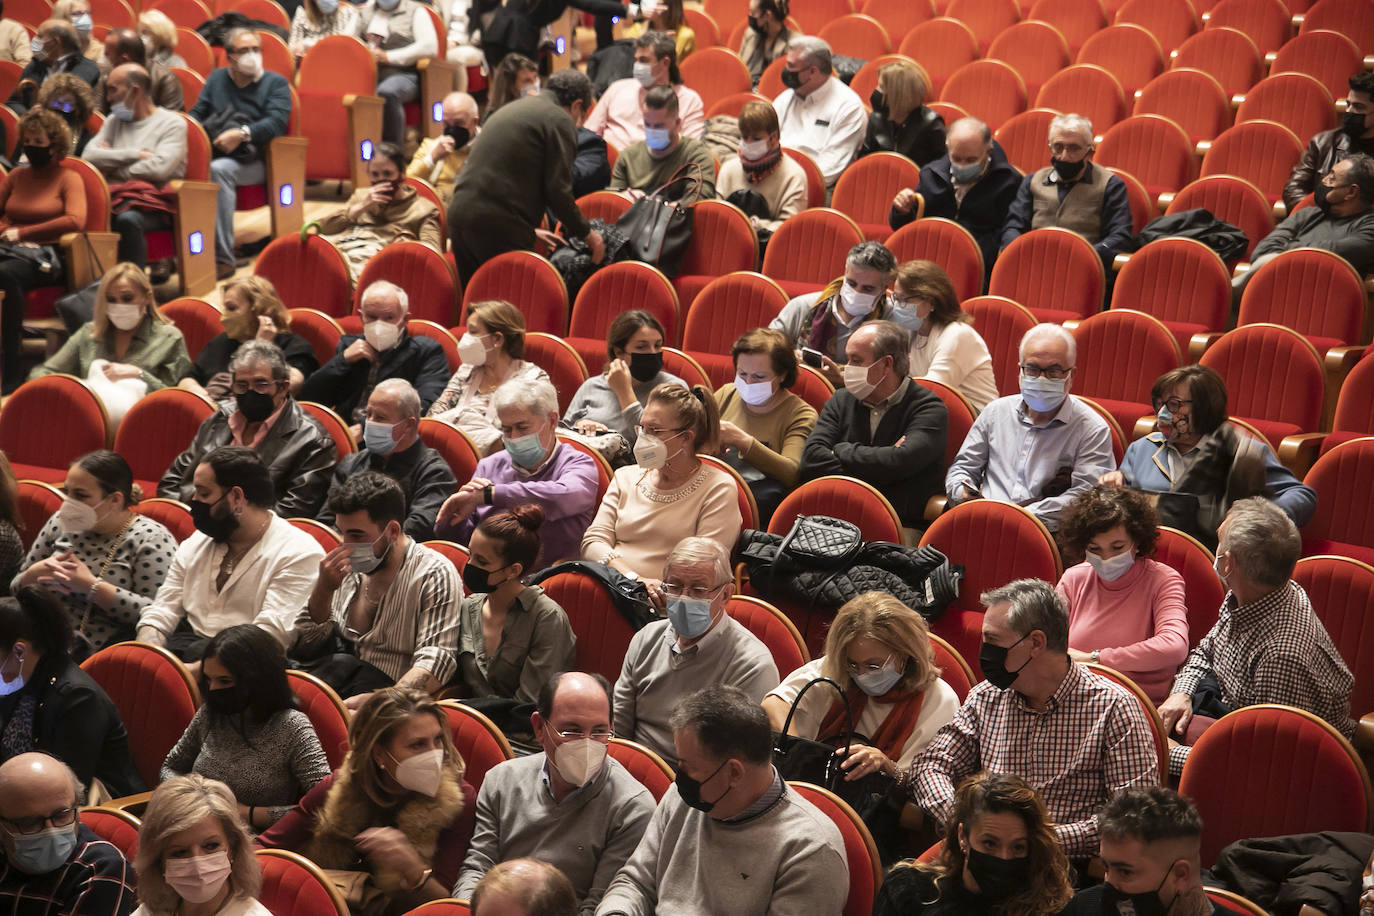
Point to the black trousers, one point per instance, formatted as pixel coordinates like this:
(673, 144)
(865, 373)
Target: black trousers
(17, 277)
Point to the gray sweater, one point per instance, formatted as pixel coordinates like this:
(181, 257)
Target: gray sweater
(595, 400)
(589, 835)
(787, 861)
(162, 133)
(655, 677)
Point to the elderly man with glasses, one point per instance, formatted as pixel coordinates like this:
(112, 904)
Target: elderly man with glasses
(698, 644)
(571, 806)
(1040, 448)
(52, 863)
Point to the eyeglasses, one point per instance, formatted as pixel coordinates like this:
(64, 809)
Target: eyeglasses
(679, 590)
(756, 376)
(855, 669)
(575, 734)
(1174, 404)
(1050, 372)
(1073, 149)
(260, 385)
(24, 826)
(658, 432)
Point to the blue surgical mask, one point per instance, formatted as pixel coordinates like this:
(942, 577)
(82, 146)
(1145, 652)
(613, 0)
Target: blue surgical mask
(327, 7)
(657, 138)
(1044, 394)
(45, 851)
(121, 112)
(965, 173)
(644, 73)
(388, 5)
(363, 557)
(378, 437)
(1112, 568)
(690, 617)
(877, 683)
(526, 451)
(907, 319)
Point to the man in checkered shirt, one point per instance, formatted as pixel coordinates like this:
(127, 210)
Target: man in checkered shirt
(1267, 645)
(1073, 735)
(52, 864)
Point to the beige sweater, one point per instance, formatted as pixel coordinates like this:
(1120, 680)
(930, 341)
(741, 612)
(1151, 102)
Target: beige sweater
(779, 435)
(784, 188)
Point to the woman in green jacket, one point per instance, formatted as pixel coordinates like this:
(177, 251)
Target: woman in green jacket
(128, 332)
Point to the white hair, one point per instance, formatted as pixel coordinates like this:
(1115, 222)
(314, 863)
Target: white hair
(815, 51)
(1262, 540)
(534, 395)
(407, 398)
(1049, 329)
(380, 288)
(1072, 122)
(693, 551)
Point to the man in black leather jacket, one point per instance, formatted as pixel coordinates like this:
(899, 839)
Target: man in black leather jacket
(1355, 135)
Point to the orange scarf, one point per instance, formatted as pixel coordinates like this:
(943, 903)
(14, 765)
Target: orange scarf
(892, 735)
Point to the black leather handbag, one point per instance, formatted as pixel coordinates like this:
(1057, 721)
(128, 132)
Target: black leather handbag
(819, 541)
(658, 226)
(804, 760)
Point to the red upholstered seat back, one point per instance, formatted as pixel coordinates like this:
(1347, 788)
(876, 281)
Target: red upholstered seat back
(420, 327)
(1355, 404)
(97, 194)
(1053, 272)
(1002, 322)
(456, 554)
(154, 694)
(308, 272)
(954, 671)
(987, 18)
(857, 35)
(427, 277)
(1181, 282)
(1327, 56)
(321, 331)
(946, 243)
(294, 886)
(333, 424)
(960, 415)
(1272, 770)
(335, 66)
(1193, 99)
(723, 240)
(900, 16)
(811, 15)
(1297, 101)
(36, 445)
(196, 319)
(1170, 21)
(1036, 49)
(773, 629)
(714, 73)
(1234, 903)
(1023, 138)
(1129, 52)
(171, 514)
(1226, 54)
(1344, 481)
(1261, 152)
(644, 765)
(1075, 19)
(1202, 590)
(621, 286)
(866, 188)
(1270, 372)
(942, 45)
(812, 387)
(1265, 21)
(37, 502)
(326, 713)
(157, 428)
(603, 467)
(603, 634)
(1087, 89)
(527, 281)
(442, 908)
(729, 306)
(115, 826)
(840, 497)
(1349, 17)
(1342, 592)
(1232, 199)
(1153, 149)
(605, 205)
(811, 247)
(565, 367)
(1315, 292)
(452, 444)
(991, 90)
(478, 741)
(324, 535)
(860, 852)
(1130, 350)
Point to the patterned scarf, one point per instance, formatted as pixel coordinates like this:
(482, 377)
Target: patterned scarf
(759, 169)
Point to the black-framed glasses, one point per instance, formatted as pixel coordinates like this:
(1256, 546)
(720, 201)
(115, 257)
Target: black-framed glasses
(260, 385)
(1173, 404)
(1050, 372)
(25, 826)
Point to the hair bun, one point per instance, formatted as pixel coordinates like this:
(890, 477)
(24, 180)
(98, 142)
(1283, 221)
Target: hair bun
(530, 516)
(135, 494)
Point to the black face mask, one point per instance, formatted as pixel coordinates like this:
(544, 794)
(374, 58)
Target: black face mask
(39, 156)
(689, 790)
(1319, 198)
(255, 406)
(477, 581)
(226, 701)
(998, 878)
(877, 101)
(791, 78)
(460, 134)
(1068, 171)
(644, 367)
(217, 528)
(757, 26)
(993, 660)
(1146, 904)
(1353, 124)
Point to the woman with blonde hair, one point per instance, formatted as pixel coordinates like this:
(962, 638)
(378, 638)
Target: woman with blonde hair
(878, 650)
(78, 13)
(159, 34)
(195, 857)
(252, 311)
(899, 121)
(944, 346)
(397, 808)
(127, 332)
(1000, 856)
(493, 353)
(669, 493)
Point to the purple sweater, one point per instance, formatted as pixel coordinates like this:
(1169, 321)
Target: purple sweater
(565, 487)
(1139, 622)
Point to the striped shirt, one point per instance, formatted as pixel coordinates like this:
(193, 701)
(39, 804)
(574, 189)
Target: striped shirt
(417, 622)
(96, 880)
(1091, 740)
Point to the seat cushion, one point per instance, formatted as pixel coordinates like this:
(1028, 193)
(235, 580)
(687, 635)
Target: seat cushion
(39, 472)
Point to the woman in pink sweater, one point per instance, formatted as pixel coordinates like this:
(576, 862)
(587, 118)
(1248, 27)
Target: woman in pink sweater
(1126, 611)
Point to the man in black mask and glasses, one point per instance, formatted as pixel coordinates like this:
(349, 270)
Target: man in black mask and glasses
(1075, 736)
(730, 836)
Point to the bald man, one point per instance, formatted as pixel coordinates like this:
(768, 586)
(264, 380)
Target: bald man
(56, 49)
(524, 887)
(53, 865)
(439, 158)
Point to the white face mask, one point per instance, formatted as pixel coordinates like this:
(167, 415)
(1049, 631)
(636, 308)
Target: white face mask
(75, 517)
(644, 73)
(856, 303)
(753, 150)
(421, 773)
(753, 393)
(124, 315)
(381, 335)
(651, 452)
(198, 879)
(532, 89)
(579, 760)
(1112, 568)
(471, 350)
(856, 381)
(249, 64)
(8, 686)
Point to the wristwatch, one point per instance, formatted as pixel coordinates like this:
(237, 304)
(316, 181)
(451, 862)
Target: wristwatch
(631, 575)
(1094, 656)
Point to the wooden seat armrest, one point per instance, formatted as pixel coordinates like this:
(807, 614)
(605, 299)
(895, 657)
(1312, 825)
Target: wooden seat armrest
(1298, 452)
(134, 804)
(935, 507)
(1200, 342)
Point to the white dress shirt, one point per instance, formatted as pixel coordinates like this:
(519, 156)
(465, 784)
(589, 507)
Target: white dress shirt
(828, 125)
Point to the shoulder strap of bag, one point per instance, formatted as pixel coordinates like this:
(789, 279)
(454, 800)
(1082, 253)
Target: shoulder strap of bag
(695, 177)
(848, 715)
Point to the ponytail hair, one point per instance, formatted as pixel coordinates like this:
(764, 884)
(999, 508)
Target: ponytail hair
(517, 532)
(696, 410)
